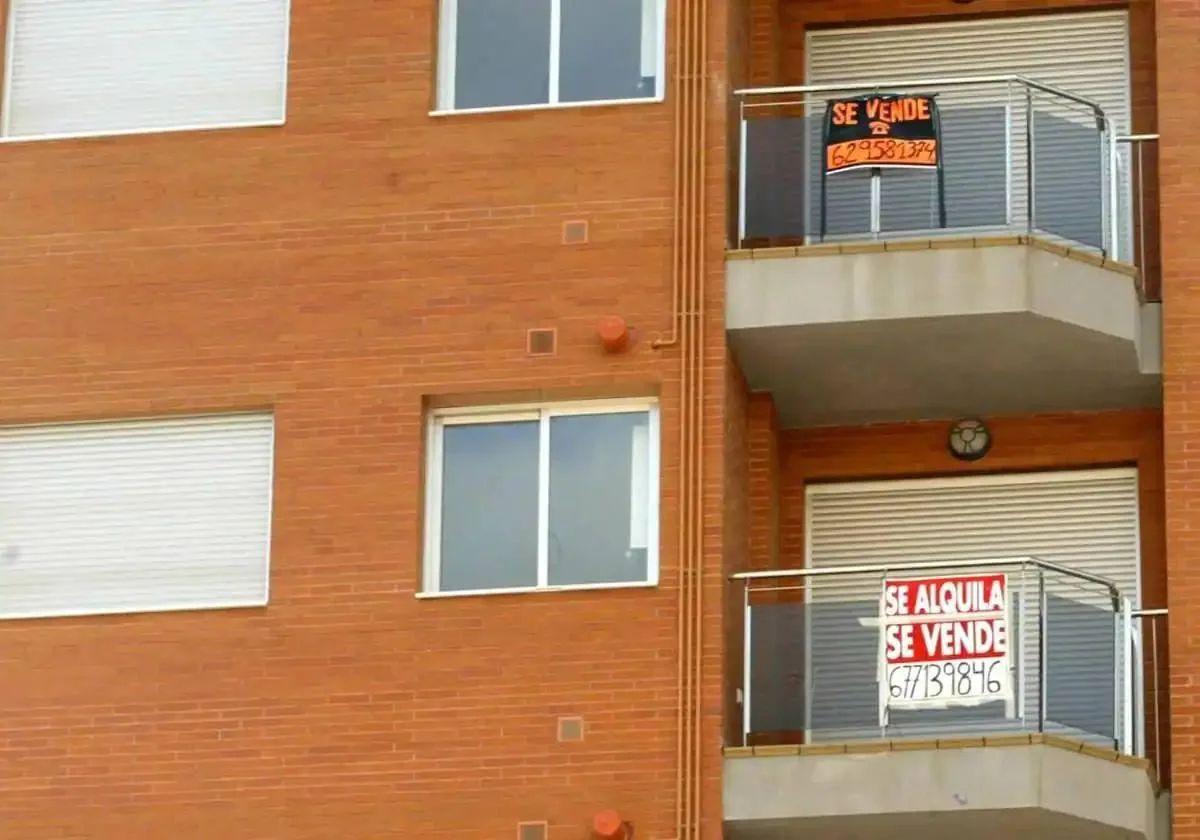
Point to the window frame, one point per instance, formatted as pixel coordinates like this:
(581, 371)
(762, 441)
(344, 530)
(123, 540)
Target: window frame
(447, 66)
(542, 414)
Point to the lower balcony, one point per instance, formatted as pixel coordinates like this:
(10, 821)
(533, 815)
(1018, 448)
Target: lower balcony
(988, 699)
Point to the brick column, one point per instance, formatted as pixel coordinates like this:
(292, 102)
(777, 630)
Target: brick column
(1178, 33)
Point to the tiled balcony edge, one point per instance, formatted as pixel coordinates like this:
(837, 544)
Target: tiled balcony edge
(907, 745)
(1084, 255)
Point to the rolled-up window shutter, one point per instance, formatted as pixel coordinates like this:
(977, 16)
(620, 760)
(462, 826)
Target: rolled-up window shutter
(79, 67)
(135, 516)
(1084, 53)
(1085, 520)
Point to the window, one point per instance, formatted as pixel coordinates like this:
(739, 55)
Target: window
(523, 53)
(86, 67)
(541, 498)
(135, 516)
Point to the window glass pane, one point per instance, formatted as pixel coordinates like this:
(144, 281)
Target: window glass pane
(502, 53)
(609, 50)
(489, 505)
(599, 498)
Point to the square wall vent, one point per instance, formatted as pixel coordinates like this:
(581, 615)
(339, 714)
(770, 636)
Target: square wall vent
(532, 831)
(575, 232)
(541, 342)
(570, 729)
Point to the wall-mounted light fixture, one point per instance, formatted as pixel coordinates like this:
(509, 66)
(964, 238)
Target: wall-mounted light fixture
(969, 439)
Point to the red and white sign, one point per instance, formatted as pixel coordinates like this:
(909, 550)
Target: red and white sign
(944, 641)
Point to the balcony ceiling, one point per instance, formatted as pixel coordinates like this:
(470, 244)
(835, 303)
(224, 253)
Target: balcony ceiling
(1035, 790)
(892, 336)
(1031, 824)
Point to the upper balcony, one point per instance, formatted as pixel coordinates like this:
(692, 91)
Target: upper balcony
(1020, 696)
(1017, 276)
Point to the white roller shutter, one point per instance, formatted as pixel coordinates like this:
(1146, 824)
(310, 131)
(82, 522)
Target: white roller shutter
(79, 67)
(135, 516)
(1084, 53)
(1086, 520)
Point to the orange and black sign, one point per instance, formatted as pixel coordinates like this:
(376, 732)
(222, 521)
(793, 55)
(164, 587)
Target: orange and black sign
(881, 130)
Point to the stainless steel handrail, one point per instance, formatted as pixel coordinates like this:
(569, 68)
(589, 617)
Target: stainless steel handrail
(1127, 643)
(923, 565)
(1110, 193)
(1156, 688)
(950, 81)
(1137, 141)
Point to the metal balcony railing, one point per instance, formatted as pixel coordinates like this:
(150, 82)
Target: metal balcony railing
(1018, 156)
(816, 670)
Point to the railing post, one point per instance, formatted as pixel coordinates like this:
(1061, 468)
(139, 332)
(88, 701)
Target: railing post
(876, 222)
(1126, 733)
(1023, 662)
(1114, 221)
(1158, 721)
(742, 154)
(1009, 187)
(1108, 201)
(1042, 652)
(1030, 214)
(1141, 212)
(1137, 638)
(746, 664)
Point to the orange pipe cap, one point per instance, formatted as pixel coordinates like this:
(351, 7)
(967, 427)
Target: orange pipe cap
(608, 825)
(614, 333)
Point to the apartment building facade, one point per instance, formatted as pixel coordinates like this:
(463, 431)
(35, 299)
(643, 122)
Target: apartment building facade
(490, 418)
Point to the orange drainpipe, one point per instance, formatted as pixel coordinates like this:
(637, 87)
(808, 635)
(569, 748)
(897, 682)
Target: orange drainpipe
(687, 332)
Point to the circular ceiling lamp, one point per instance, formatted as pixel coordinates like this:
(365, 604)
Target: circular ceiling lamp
(969, 439)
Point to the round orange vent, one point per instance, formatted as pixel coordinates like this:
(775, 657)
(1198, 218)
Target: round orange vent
(608, 825)
(614, 333)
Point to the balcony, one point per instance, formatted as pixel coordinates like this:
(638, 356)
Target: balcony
(1025, 282)
(843, 735)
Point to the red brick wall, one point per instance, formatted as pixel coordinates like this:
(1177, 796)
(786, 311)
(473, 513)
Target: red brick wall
(340, 270)
(1040, 442)
(763, 452)
(1179, 100)
(766, 42)
(741, 513)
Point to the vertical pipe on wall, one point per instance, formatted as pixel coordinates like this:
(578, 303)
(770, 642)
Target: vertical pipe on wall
(687, 332)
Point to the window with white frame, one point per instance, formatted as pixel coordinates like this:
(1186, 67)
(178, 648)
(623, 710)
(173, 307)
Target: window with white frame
(92, 67)
(542, 497)
(524, 53)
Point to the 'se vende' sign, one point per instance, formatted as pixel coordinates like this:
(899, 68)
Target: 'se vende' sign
(944, 642)
(880, 131)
